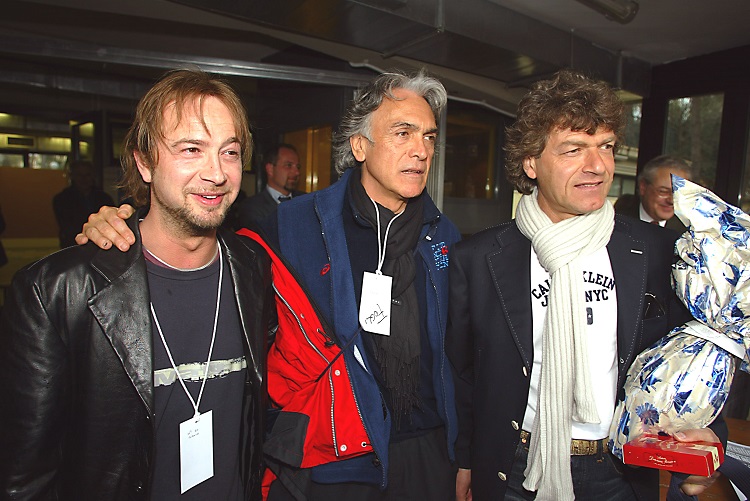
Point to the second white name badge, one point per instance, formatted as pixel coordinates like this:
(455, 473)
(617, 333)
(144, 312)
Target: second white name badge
(375, 304)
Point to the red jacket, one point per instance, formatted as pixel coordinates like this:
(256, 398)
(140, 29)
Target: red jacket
(308, 381)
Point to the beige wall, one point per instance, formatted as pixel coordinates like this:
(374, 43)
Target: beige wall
(31, 230)
(26, 199)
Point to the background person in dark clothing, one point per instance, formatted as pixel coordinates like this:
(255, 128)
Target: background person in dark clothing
(73, 205)
(281, 171)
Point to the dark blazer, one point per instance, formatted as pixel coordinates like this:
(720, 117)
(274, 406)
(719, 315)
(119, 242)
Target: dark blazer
(255, 209)
(76, 419)
(72, 209)
(632, 209)
(489, 337)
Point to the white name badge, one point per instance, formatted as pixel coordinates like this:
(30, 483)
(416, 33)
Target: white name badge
(196, 450)
(375, 304)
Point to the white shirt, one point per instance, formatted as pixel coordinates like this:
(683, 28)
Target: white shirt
(601, 337)
(275, 194)
(645, 217)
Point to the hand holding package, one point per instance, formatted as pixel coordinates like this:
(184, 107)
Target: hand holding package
(682, 381)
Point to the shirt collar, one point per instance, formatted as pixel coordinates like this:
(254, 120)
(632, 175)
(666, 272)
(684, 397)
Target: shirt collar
(645, 217)
(275, 194)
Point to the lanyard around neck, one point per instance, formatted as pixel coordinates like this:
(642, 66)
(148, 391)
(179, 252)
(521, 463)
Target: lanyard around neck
(384, 242)
(195, 403)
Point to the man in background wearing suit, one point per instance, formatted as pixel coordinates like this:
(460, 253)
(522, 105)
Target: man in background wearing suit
(654, 204)
(282, 172)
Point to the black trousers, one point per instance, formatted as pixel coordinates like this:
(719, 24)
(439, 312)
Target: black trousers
(419, 470)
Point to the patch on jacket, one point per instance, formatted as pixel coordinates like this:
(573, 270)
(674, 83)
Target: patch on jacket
(440, 253)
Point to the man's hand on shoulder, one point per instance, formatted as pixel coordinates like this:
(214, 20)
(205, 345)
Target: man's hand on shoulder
(694, 485)
(108, 227)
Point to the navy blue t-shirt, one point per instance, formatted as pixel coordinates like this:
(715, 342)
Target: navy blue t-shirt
(185, 305)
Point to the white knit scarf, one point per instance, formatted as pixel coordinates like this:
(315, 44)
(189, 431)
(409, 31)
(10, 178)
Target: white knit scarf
(564, 388)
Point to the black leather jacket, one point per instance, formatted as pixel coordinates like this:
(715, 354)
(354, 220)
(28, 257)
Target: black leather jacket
(76, 375)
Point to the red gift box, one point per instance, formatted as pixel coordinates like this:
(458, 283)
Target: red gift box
(666, 453)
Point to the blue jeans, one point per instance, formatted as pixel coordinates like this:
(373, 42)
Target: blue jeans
(595, 478)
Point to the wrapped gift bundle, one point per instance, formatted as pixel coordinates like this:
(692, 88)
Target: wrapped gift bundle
(682, 381)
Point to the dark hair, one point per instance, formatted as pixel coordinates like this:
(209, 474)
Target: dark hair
(650, 168)
(178, 87)
(569, 100)
(356, 119)
(75, 164)
(272, 154)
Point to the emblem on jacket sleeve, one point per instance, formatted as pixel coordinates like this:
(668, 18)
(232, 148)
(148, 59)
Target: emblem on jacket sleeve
(440, 253)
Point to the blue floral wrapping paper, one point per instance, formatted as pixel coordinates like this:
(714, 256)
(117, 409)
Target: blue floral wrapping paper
(682, 381)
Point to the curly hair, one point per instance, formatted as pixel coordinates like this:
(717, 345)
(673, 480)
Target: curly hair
(179, 88)
(356, 119)
(569, 100)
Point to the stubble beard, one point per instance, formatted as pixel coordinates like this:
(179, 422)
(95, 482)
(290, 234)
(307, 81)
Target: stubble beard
(185, 220)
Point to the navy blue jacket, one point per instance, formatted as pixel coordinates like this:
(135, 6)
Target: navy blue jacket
(311, 238)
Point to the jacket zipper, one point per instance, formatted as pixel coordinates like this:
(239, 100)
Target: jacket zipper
(330, 381)
(442, 334)
(299, 323)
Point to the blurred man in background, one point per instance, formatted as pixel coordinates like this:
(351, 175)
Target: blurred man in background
(73, 205)
(654, 201)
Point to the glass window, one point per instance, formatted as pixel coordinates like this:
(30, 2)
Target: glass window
(47, 161)
(693, 128)
(476, 194)
(470, 152)
(12, 160)
(626, 156)
(118, 132)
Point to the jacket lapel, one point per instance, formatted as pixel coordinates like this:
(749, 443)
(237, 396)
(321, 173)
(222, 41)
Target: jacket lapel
(122, 310)
(510, 270)
(628, 257)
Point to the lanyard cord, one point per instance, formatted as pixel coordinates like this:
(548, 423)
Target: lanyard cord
(382, 244)
(197, 403)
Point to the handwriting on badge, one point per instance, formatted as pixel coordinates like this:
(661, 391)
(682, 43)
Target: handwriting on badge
(376, 316)
(193, 433)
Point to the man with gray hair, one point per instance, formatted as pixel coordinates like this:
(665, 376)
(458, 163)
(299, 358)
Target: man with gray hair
(372, 251)
(655, 192)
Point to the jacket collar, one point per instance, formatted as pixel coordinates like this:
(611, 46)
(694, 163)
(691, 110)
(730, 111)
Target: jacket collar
(430, 213)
